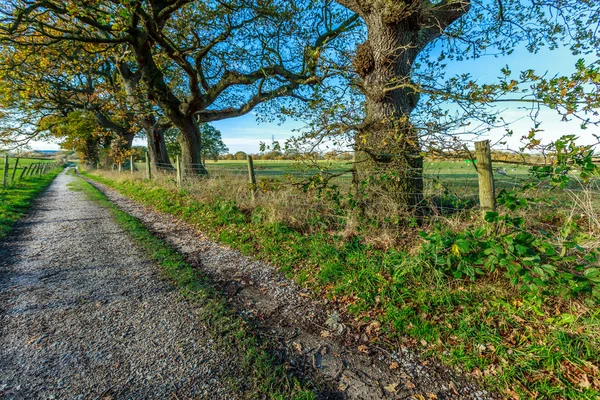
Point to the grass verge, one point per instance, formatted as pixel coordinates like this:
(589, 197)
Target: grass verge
(265, 379)
(518, 345)
(16, 199)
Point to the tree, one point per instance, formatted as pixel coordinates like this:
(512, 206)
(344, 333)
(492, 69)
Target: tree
(212, 143)
(80, 133)
(393, 69)
(146, 117)
(198, 61)
(57, 80)
(240, 155)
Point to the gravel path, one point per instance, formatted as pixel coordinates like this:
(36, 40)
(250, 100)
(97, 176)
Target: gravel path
(84, 314)
(306, 333)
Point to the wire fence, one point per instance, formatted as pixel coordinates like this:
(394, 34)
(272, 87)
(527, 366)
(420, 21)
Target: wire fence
(16, 169)
(449, 185)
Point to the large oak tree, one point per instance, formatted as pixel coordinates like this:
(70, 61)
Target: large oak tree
(395, 66)
(199, 61)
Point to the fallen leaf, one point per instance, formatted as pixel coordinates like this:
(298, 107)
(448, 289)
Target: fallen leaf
(325, 334)
(392, 388)
(363, 349)
(394, 365)
(298, 347)
(584, 382)
(373, 327)
(513, 395)
(409, 385)
(453, 388)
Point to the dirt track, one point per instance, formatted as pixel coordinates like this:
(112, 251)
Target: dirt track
(84, 314)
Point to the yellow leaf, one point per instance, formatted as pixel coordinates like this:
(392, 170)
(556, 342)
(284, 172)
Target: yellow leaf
(392, 388)
(455, 250)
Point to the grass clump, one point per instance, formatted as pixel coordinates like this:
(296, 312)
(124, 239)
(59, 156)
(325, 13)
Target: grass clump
(264, 378)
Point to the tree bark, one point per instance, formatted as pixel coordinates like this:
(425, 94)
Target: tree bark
(157, 148)
(387, 144)
(191, 146)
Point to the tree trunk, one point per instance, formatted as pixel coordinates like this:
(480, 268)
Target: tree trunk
(157, 148)
(388, 150)
(161, 94)
(191, 146)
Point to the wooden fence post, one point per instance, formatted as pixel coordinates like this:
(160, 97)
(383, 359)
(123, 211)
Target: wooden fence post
(12, 179)
(148, 171)
(178, 166)
(33, 168)
(487, 196)
(251, 176)
(131, 163)
(23, 173)
(120, 167)
(5, 174)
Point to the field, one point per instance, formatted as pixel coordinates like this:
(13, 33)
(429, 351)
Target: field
(454, 181)
(22, 163)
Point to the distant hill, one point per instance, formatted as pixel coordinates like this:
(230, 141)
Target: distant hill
(46, 152)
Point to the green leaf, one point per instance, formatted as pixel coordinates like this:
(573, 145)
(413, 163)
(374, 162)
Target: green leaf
(593, 274)
(567, 319)
(491, 216)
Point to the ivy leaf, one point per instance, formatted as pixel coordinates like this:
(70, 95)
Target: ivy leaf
(593, 274)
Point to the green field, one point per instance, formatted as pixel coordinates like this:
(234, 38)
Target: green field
(456, 178)
(444, 181)
(21, 164)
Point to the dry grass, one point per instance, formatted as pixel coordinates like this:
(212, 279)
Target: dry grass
(280, 201)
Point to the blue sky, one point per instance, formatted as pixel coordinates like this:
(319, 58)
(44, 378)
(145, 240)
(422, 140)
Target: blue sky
(245, 133)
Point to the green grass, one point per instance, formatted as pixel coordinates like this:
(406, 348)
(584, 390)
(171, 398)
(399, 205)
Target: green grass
(546, 347)
(263, 378)
(21, 164)
(16, 199)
